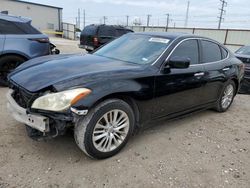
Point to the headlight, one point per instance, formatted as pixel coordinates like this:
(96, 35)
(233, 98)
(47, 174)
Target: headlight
(60, 101)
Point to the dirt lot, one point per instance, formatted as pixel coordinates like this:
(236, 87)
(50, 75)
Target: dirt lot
(207, 149)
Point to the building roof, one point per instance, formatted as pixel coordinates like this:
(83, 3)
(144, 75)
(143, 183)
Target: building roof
(38, 4)
(14, 18)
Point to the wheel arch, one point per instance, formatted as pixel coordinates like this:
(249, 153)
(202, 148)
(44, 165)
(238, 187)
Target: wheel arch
(25, 57)
(125, 97)
(237, 84)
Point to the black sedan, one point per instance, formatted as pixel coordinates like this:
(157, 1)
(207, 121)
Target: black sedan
(135, 79)
(244, 55)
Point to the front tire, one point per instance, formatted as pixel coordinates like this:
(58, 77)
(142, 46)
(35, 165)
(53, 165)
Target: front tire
(8, 64)
(226, 97)
(105, 130)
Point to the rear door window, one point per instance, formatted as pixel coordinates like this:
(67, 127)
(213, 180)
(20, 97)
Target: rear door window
(188, 49)
(210, 51)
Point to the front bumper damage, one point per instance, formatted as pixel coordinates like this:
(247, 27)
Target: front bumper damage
(20, 114)
(41, 125)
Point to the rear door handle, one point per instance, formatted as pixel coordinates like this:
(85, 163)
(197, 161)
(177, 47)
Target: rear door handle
(199, 74)
(226, 69)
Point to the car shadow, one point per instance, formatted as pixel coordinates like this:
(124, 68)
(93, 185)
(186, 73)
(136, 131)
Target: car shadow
(64, 147)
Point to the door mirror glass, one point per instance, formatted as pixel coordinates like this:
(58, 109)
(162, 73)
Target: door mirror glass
(179, 62)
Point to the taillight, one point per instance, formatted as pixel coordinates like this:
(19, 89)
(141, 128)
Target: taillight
(41, 40)
(95, 40)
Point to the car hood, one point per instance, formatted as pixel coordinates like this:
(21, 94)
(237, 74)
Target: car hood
(42, 72)
(242, 55)
(245, 59)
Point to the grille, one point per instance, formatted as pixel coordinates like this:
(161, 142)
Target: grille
(247, 72)
(21, 96)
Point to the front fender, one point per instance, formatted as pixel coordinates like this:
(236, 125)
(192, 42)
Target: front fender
(140, 89)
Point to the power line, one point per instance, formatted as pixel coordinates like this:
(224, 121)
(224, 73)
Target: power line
(167, 21)
(84, 21)
(222, 11)
(104, 19)
(79, 18)
(127, 19)
(148, 18)
(187, 13)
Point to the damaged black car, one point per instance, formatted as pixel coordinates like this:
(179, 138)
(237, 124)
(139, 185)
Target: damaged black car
(134, 80)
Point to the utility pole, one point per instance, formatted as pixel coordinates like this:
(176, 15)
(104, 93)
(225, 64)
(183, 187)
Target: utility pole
(127, 19)
(83, 18)
(222, 11)
(187, 13)
(79, 22)
(104, 19)
(76, 22)
(148, 17)
(167, 21)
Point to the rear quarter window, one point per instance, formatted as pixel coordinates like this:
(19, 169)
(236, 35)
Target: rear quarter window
(211, 52)
(224, 53)
(7, 27)
(17, 28)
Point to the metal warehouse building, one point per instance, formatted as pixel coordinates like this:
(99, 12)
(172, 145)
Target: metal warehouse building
(44, 17)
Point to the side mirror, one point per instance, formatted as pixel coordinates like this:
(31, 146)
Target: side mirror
(179, 62)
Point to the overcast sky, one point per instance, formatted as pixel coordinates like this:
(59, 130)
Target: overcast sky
(202, 13)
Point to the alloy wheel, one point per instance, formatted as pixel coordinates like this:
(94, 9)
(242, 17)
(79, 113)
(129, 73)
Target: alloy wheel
(110, 130)
(227, 97)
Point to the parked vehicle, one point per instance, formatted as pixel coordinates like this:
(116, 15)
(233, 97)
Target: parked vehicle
(244, 55)
(133, 80)
(19, 42)
(94, 36)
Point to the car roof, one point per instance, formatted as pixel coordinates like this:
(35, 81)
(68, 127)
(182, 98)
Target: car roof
(14, 18)
(170, 35)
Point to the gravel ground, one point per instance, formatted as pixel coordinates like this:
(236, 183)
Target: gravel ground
(206, 149)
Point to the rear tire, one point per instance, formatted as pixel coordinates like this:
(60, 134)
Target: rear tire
(226, 97)
(8, 64)
(101, 133)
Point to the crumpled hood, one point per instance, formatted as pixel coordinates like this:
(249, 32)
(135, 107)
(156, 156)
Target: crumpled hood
(42, 72)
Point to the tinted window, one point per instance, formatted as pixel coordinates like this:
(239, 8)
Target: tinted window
(27, 28)
(120, 32)
(224, 53)
(188, 49)
(106, 31)
(7, 27)
(244, 50)
(210, 52)
(89, 30)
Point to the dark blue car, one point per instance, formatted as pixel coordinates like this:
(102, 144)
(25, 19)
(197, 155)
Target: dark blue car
(19, 42)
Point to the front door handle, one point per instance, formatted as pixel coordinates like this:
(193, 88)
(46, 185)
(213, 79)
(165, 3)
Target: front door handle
(199, 74)
(226, 69)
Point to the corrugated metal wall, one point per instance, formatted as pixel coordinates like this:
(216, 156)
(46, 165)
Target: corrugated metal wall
(69, 31)
(232, 38)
